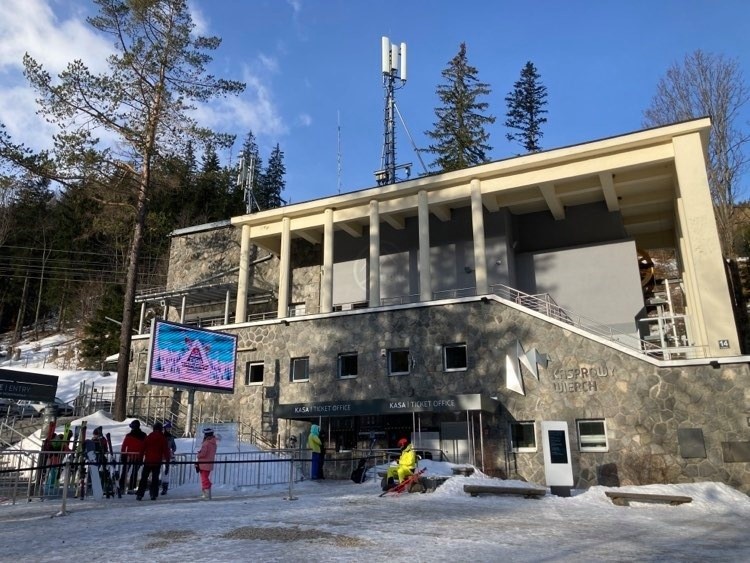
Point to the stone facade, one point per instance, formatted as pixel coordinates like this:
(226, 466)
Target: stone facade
(643, 405)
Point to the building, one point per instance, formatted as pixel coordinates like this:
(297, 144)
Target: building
(582, 285)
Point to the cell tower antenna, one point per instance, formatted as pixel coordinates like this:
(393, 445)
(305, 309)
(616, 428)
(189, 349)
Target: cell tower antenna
(245, 183)
(393, 68)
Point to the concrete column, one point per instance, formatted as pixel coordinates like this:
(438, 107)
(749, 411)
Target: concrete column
(227, 300)
(477, 225)
(326, 286)
(183, 304)
(240, 312)
(698, 226)
(284, 261)
(143, 317)
(374, 254)
(425, 279)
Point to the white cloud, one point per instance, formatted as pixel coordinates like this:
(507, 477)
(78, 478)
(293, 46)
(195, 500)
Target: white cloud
(202, 23)
(253, 110)
(18, 113)
(296, 6)
(304, 119)
(31, 26)
(269, 63)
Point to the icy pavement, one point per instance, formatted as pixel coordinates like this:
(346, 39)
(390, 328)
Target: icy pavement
(344, 521)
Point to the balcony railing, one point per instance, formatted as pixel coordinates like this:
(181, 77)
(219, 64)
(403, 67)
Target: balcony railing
(542, 303)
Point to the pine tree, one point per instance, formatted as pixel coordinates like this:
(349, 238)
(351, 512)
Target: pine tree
(101, 334)
(526, 109)
(144, 100)
(459, 132)
(272, 181)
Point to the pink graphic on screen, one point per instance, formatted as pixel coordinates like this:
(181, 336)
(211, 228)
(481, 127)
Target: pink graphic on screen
(191, 357)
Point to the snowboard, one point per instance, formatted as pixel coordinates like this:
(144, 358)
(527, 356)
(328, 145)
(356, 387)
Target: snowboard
(96, 481)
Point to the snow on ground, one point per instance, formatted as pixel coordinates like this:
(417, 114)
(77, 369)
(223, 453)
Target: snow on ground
(344, 521)
(35, 355)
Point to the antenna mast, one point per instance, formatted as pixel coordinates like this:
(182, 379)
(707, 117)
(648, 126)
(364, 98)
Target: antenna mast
(338, 150)
(393, 67)
(245, 183)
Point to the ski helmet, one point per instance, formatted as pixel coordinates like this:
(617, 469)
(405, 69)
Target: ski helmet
(135, 424)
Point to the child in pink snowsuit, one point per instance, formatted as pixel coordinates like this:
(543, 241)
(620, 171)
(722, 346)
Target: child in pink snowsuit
(205, 464)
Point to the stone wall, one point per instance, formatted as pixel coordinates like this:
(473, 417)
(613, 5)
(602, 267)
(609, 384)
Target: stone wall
(643, 405)
(198, 256)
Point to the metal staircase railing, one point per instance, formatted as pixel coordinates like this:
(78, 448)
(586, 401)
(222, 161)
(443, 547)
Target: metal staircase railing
(544, 304)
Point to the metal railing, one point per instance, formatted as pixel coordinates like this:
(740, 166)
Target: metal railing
(545, 305)
(541, 303)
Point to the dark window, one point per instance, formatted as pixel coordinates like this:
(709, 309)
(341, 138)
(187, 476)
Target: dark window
(398, 362)
(254, 373)
(523, 436)
(348, 365)
(454, 357)
(300, 369)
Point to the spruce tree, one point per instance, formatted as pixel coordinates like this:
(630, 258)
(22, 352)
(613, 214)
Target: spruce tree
(526, 109)
(272, 181)
(459, 134)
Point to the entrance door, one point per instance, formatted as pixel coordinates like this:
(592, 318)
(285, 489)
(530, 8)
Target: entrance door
(454, 441)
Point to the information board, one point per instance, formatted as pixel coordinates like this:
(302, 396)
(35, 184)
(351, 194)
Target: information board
(558, 470)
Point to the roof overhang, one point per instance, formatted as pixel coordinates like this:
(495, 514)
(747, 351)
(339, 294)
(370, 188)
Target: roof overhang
(633, 174)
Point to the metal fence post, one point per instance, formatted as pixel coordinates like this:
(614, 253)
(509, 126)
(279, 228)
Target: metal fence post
(66, 484)
(292, 443)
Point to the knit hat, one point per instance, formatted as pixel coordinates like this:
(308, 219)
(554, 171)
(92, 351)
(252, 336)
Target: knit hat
(98, 430)
(135, 424)
(167, 425)
(208, 431)
(157, 427)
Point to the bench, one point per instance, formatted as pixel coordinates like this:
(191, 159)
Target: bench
(623, 499)
(528, 492)
(464, 470)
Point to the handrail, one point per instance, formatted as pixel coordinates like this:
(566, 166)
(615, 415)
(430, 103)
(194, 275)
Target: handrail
(545, 305)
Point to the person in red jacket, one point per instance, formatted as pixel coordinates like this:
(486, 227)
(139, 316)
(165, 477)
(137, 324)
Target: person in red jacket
(206, 456)
(131, 453)
(155, 451)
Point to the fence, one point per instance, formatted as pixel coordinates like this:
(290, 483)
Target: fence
(39, 475)
(49, 475)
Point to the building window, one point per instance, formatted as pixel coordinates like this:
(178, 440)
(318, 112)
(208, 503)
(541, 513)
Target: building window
(347, 365)
(592, 436)
(454, 357)
(398, 362)
(300, 370)
(254, 373)
(523, 436)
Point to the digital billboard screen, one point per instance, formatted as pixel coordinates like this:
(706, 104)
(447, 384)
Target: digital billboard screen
(189, 357)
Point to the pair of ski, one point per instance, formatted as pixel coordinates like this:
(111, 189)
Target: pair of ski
(103, 470)
(404, 485)
(88, 468)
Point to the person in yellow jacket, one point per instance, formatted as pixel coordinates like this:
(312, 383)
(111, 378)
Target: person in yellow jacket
(315, 444)
(407, 462)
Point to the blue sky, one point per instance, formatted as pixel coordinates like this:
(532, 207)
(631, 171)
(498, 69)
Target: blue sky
(312, 63)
